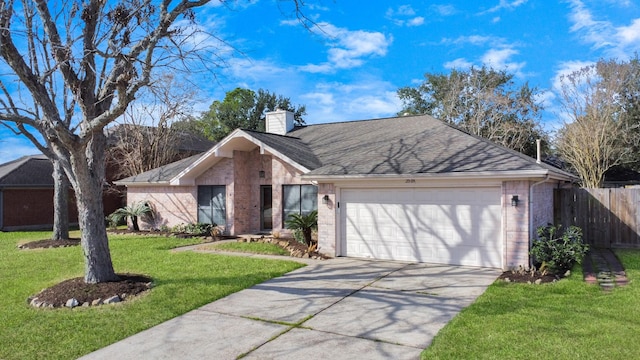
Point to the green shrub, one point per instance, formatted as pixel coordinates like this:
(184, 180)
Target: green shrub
(304, 223)
(193, 229)
(133, 211)
(297, 234)
(557, 249)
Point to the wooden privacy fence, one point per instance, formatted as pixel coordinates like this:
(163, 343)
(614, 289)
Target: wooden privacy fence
(608, 217)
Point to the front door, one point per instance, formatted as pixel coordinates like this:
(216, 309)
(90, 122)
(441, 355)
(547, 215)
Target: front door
(266, 218)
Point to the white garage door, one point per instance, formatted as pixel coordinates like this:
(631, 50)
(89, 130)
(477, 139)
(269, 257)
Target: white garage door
(447, 226)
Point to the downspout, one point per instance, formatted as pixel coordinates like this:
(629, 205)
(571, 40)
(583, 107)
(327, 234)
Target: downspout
(531, 227)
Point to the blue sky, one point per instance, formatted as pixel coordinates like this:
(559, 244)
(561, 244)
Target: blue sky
(350, 67)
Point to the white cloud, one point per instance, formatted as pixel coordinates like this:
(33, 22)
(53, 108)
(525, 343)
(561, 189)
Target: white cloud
(615, 41)
(546, 98)
(349, 49)
(405, 10)
(498, 56)
(473, 40)
(404, 15)
(416, 21)
(444, 10)
(566, 68)
(629, 35)
(499, 59)
(249, 69)
(459, 64)
(506, 4)
(336, 101)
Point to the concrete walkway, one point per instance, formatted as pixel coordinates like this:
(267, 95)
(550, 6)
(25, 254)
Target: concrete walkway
(333, 309)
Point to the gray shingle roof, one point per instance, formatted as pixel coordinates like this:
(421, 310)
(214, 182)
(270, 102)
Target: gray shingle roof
(405, 145)
(389, 146)
(27, 171)
(294, 148)
(163, 173)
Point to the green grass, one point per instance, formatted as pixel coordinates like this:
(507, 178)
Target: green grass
(566, 320)
(250, 247)
(183, 281)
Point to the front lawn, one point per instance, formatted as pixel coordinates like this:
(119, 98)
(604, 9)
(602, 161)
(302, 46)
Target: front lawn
(183, 281)
(249, 247)
(566, 320)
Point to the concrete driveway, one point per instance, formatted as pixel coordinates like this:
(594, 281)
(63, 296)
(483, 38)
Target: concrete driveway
(333, 309)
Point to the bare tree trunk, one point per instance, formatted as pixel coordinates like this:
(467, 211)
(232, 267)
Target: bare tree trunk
(89, 170)
(60, 203)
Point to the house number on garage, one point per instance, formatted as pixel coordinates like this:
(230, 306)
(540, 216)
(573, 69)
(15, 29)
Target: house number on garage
(410, 181)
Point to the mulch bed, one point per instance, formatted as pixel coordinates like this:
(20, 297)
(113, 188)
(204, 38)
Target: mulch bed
(84, 294)
(59, 295)
(48, 243)
(130, 285)
(528, 277)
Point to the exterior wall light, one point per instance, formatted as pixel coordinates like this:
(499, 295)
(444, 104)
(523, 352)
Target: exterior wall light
(325, 199)
(514, 200)
(261, 174)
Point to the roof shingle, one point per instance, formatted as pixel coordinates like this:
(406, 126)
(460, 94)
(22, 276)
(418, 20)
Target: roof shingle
(27, 171)
(389, 146)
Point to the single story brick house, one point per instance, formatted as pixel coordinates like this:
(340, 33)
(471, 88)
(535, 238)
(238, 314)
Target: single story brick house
(409, 188)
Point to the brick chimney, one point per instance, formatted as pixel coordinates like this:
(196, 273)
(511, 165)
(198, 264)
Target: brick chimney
(279, 122)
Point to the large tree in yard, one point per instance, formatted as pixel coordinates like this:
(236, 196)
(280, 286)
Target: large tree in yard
(144, 139)
(600, 106)
(243, 108)
(482, 101)
(81, 63)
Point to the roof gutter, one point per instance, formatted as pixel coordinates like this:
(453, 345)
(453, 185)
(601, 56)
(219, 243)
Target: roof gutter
(510, 175)
(138, 183)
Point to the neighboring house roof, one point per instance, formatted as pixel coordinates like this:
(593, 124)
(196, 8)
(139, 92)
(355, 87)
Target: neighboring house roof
(621, 176)
(27, 171)
(410, 145)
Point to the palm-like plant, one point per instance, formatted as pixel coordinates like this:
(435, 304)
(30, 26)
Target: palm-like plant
(132, 211)
(304, 223)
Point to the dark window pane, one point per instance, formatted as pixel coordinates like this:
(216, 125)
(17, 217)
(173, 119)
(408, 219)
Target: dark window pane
(299, 199)
(212, 205)
(309, 199)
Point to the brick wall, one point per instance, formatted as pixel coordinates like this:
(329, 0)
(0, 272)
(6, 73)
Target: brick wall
(283, 174)
(515, 224)
(173, 204)
(241, 176)
(517, 232)
(246, 204)
(31, 208)
(327, 220)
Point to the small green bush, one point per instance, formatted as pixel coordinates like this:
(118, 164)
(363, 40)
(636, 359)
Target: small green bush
(298, 236)
(558, 250)
(303, 223)
(134, 211)
(193, 229)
